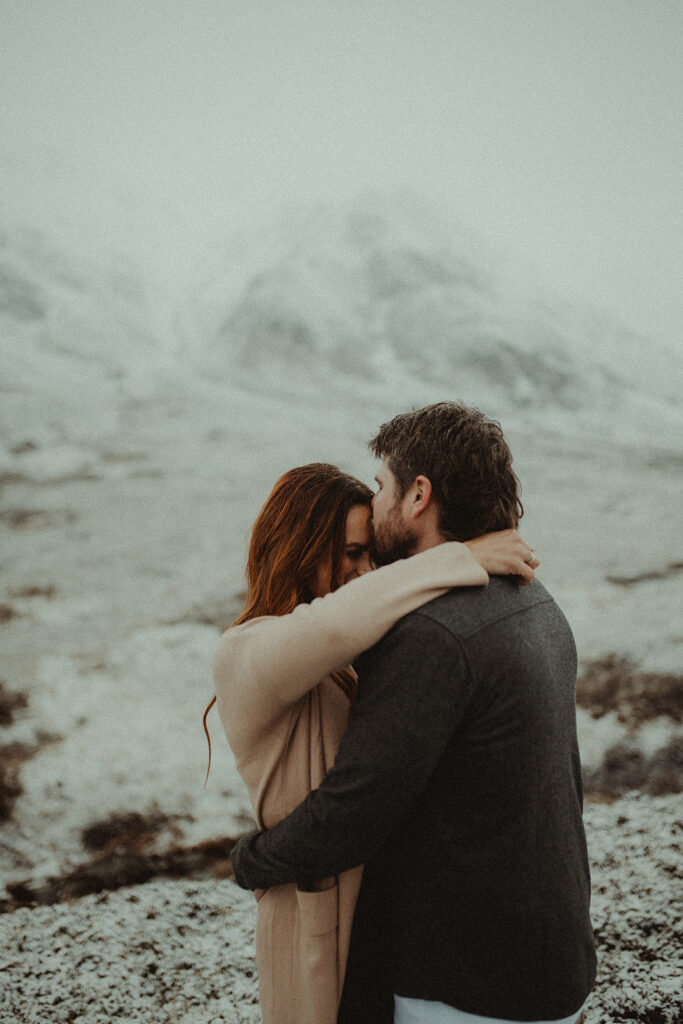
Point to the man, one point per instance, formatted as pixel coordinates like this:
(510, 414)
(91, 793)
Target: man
(458, 782)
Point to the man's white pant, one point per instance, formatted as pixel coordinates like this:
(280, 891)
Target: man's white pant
(421, 1011)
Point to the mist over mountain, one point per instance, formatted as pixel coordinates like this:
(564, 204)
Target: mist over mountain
(372, 294)
(388, 289)
(75, 331)
(371, 297)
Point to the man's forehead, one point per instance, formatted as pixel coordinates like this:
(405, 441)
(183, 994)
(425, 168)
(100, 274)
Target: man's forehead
(384, 474)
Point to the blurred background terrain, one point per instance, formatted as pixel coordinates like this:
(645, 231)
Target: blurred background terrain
(237, 239)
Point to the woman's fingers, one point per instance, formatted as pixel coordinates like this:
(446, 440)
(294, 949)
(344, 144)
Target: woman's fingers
(527, 553)
(528, 559)
(505, 553)
(525, 572)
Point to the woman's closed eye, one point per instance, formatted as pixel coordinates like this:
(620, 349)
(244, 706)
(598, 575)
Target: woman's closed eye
(356, 561)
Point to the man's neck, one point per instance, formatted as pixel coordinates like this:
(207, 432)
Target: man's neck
(429, 539)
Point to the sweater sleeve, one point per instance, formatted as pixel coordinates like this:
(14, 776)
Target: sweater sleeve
(277, 659)
(415, 687)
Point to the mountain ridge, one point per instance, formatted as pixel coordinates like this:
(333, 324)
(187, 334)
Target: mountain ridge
(364, 298)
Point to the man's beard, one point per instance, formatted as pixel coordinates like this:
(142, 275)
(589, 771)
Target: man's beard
(391, 541)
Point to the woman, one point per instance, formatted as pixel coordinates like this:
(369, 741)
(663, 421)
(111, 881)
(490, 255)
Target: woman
(284, 689)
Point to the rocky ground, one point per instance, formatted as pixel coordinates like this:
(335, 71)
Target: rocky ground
(182, 951)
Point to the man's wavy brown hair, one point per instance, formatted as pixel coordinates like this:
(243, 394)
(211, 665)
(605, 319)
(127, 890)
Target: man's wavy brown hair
(466, 459)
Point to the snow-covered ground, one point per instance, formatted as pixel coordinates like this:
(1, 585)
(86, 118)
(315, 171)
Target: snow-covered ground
(183, 951)
(140, 430)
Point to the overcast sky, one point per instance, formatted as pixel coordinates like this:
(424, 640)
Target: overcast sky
(554, 127)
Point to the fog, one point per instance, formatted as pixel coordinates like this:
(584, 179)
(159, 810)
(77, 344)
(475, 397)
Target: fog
(551, 129)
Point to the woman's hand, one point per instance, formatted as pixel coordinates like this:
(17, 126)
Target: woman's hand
(505, 553)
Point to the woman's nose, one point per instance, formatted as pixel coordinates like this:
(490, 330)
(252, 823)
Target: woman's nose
(364, 564)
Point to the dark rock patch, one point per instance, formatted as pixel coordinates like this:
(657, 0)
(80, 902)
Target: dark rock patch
(127, 830)
(22, 447)
(666, 769)
(672, 569)
(615, 683)
(123, 863)
(7, 612)
(118, 456)
(10, 701)
(48, 591)
(36, 518)
(625, 769)
(8, 478)
(12, 755)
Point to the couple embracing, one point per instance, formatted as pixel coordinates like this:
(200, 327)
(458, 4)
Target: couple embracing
(408, 739)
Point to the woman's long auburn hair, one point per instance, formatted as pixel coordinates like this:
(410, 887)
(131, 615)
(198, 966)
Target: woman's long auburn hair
(301, 527)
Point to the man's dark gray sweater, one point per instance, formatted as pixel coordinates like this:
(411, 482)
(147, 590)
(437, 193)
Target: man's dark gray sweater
(458, 785)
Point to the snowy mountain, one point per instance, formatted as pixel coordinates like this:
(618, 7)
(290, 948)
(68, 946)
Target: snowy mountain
(380, 301)
(386, 290)
(75, 336)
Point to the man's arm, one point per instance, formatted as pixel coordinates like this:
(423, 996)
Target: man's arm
(414, 686)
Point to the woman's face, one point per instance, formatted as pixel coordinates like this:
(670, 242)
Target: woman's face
(356, 560)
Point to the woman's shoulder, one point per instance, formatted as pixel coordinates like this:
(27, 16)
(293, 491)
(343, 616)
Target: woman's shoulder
(250, 652)
(227, 652)
(234, 634)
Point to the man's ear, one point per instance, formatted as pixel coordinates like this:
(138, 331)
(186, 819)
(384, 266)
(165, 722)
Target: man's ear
(421, 496)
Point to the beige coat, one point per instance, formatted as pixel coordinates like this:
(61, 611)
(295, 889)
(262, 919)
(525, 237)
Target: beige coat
(284, 719)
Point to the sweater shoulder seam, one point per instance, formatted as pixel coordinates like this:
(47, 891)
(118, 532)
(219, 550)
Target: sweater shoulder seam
(452, 636)
(465, 635)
